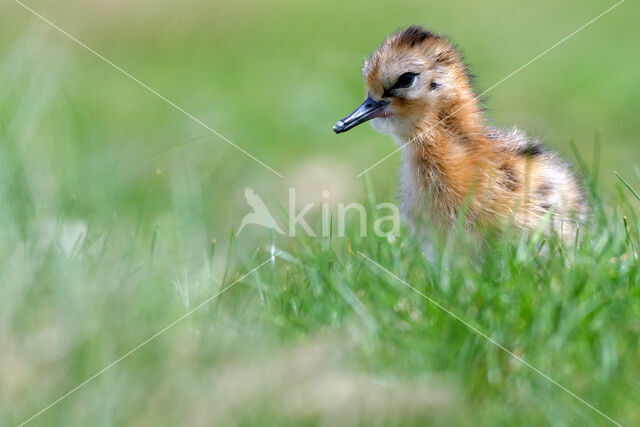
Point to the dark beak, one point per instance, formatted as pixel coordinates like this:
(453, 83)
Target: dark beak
(369, 109)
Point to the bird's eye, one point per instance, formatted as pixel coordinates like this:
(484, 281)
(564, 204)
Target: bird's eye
(405, 80)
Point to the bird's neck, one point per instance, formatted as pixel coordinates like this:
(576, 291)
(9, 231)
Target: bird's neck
(459, 120)
(445, 153)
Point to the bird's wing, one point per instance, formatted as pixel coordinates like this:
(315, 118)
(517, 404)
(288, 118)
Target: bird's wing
(254, 201)
(261, 210)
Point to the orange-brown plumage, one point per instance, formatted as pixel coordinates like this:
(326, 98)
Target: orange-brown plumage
(419, 92)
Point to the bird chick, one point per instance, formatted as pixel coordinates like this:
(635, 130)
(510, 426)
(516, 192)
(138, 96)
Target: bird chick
(419, 92)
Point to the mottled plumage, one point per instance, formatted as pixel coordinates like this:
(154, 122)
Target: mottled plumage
(419, 92)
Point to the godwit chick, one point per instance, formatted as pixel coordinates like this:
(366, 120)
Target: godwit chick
(419, 93)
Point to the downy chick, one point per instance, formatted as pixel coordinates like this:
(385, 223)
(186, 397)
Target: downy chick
(419, 92)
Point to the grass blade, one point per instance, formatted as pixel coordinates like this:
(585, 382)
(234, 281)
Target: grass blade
(626, 184)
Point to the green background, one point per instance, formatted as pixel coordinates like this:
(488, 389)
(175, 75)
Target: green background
(110, 199)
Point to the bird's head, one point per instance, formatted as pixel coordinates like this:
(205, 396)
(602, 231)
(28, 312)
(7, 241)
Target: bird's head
(412, 77)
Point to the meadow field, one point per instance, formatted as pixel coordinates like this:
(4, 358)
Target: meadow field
(128, 298)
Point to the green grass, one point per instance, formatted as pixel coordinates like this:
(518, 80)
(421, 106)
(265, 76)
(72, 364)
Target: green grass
(319, 321)
(117, 217)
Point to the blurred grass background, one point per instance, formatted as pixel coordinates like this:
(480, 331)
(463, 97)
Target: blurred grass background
(111, 198)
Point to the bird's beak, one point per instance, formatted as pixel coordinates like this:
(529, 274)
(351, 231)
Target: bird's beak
(369, 109)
